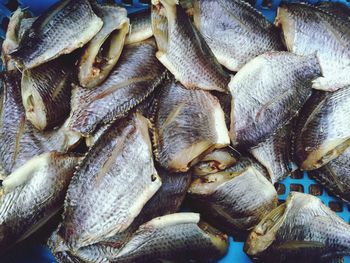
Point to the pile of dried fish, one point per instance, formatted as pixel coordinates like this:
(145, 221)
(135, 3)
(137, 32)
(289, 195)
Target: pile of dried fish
(114, 122)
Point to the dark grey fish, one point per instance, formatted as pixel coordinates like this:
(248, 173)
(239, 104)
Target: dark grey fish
(310, 30)
(188, 124)
(134, 78)
(46, 92)
(19, 140)
(323, 131)
(267, 93)
(140, 27)
(240, 196)
(182, 49)
(181, 236)
(32, 194)
(275, 154)
(338, 9)
(335, 175)
(115, 180)
(102, 53)
(302, 228)
(235, 31)
(66, 26)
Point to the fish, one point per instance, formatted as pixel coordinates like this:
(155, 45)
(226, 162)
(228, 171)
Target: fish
(182, 49)
(46, 92)
(335, 175)
(187, 125)
(267, 93)
(216, 161)
(32, 194)
(235, 31)
(275, 154)
(337, 9)
(308, 30)
(75, 24)
(11, 41)
(323, 131)
(180, 236)
(140, 27)
(240, 196)
(303, 228)
(134, 78)
(19, 140)
(103, 51)
(113, 182)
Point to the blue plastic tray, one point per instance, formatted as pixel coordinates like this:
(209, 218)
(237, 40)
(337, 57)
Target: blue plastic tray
(37, 253)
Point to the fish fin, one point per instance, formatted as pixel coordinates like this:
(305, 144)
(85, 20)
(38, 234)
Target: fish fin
(300, 244)
(337, 260)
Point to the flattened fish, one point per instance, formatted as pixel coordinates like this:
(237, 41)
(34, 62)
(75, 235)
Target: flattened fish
(335, 175)
(216, 161)
(46, 92)
(235, 31)
(324, 132)
(240, 196)
(181, 236)
(267, 93)
(188, 124)
(140, 27)
(19, 140)
(134, 78)
(311, 30)
(182, 49)
(103, 51)
(113, 183)
(66, 26)
(32, 194)
(302, 228)
(275, 154)
(11, 41)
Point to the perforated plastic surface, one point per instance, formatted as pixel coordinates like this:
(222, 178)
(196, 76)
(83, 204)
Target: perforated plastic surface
(36, 253)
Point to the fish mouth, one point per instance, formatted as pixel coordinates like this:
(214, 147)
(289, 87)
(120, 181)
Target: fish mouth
(264, 234)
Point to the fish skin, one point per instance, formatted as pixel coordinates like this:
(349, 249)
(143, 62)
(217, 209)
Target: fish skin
(44, 42)
(302, 228)
(267, 93)
(26, 24)
(179, 141)
(338, 9)
(19, 140)
(175, 236)
(335, 175)
(103, 51)
(91, 213)
(275, 154)
(228, 27)
(140, 27)
(46, 92)
(32, 194)
(134, 78)
(240, 196)
(182, 49)
(324, 133)
(308, 30)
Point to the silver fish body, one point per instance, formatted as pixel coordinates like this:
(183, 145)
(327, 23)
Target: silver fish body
(240, 196)
(310, 30)
(180, 236)
(140, 27)
(46, 92)
(32, 194)
(102, 53)
(134, 78)
(229, 28)
(267, 93)
(187, 125)
(182, 49)
(323, 131)
(303, 228)
(75, 24)
(115, 180)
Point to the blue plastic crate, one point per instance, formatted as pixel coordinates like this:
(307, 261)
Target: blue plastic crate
(37, 253)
